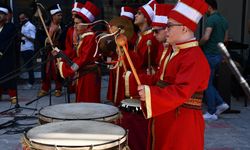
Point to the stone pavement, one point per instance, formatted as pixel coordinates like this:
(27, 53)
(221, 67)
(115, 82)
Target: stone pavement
(230, 132)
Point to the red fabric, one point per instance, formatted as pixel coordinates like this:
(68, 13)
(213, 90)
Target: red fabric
(69, 43)
(93, 9)
(140, 57)
(70, 50)
(51, 70)
(51, 74)
(161, 10)
(111, 87)
(137, 127)
(148, 13)
(199, 5)
(112, 77)
(173, 127)
(11, 92)
(88, 86)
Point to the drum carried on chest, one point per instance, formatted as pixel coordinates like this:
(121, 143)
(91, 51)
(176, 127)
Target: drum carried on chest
(78, 111)
(131, 105)
(76, 135)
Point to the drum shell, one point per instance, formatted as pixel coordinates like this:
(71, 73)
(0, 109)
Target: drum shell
(119, 144)
(26, 145)
(132, 119)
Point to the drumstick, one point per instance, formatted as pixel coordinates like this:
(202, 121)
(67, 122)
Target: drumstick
(44, 26)
(121, 41)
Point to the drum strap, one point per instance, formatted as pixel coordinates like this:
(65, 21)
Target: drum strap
(195, 102)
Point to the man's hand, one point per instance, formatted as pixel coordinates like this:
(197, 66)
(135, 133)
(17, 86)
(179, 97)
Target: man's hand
(55, 51)
(141, 91)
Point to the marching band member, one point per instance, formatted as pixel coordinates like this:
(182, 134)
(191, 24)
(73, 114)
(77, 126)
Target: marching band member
(50, 71)
(158, 27)
(171, 99)
(146, 48)
(135, 122)
(115, 92)
(129, 13)
(71, 38)
(88, 84)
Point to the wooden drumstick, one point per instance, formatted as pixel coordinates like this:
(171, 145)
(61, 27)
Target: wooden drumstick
(122, 41)
(44, 26)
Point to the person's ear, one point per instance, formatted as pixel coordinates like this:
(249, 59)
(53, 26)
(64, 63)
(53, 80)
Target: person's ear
(184, 29)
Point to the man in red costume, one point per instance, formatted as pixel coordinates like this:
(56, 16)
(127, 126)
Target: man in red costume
(71, 38)
(143, 57)
(71, 41)
(158, 27)
(171, 99)
(146, 48)
(116, 91)
(88, 84)
(50, 70)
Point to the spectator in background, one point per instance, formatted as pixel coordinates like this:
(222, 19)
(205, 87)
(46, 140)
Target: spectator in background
(216, 30)
(28, 34)
(8, 55)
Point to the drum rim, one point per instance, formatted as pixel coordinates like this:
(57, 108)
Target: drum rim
(63, 119)
(68, 119)
(122, 140)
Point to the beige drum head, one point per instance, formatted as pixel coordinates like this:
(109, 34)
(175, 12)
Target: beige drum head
(78, 111)
(76, 135)
(133, 105)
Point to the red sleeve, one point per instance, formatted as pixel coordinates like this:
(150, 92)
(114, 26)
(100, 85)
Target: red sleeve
(191, 74)
(69, 51)
(65, 70)
(86, 51)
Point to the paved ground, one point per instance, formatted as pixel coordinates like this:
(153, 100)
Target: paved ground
(230, 132)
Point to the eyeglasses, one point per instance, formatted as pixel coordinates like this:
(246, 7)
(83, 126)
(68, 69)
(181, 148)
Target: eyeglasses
(169, 25)
(156, 31)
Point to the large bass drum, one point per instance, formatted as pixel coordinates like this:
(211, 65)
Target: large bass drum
(78, 111)
(76, 135)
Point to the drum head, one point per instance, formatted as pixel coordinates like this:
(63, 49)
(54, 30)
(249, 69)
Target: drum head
(77, 134)
(80, 111)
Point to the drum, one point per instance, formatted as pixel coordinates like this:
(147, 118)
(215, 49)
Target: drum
(132, 119)
(78, 111)
(76, 135)
(131, 105)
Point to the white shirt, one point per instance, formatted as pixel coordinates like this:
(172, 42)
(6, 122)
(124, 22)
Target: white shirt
(29, 30)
